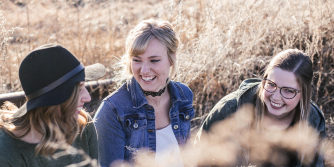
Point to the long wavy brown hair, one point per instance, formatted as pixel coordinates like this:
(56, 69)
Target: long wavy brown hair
(56, 123)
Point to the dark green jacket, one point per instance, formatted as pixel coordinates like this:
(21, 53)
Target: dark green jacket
(247, 94)
(17, 153)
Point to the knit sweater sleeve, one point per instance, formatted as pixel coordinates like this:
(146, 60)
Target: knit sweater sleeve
(93, 147)
(10, 152)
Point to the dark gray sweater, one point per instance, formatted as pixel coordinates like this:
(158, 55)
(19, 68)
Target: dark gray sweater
(17, 153)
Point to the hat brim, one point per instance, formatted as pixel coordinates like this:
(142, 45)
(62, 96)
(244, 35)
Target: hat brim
(61, 93)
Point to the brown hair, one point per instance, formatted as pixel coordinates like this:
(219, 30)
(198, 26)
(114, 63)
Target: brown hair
(56, 123)
(142, 34)
(300, 64)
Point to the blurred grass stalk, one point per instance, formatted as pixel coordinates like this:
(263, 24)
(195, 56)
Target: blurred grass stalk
(3, 46)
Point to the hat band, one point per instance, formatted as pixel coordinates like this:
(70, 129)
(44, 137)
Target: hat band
(56, 83)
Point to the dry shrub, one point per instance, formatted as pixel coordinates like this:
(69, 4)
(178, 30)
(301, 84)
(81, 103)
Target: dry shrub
(222, 42)
(5, 36)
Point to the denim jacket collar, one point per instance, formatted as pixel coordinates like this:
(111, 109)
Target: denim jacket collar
(139, 99)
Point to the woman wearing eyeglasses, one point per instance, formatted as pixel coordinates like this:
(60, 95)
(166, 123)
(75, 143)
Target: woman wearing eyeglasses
(281, 101)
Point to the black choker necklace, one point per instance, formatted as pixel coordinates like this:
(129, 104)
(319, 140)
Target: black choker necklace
(161, 91)
(153, 94)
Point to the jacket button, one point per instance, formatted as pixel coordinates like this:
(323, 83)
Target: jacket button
(149, 107)
(135, 125)
(187, 117)
(176, 126)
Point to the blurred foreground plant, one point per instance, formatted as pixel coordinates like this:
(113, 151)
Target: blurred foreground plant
(233, 142)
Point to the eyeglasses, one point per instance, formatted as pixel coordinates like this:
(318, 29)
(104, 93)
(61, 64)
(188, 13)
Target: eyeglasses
(286, 92)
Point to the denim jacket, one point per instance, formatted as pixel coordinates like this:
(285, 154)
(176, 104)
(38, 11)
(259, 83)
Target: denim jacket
(247, 94)
(125, 121)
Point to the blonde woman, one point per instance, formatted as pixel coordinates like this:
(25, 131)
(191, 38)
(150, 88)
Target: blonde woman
(281, 100)
(54, 83)
(150, 111)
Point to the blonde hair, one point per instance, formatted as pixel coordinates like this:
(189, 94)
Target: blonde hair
(141, 35)
(300, 64)
(56, 123)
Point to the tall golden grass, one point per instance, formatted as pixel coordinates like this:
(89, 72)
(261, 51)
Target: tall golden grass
(222, 42)
(5, 36)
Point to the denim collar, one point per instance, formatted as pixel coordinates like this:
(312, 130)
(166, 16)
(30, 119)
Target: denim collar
(139, 99)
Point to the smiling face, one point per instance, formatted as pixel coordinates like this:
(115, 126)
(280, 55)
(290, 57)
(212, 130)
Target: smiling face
(83, 98)
(278, 106)
(151, 69)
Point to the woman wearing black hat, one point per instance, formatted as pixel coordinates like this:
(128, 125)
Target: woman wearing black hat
(54, 83)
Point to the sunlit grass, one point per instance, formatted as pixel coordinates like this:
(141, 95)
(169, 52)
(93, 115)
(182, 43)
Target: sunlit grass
(222, 42)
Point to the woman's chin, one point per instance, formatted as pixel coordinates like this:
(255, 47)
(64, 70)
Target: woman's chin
(150, 90)
(76, 114)
(278, 113)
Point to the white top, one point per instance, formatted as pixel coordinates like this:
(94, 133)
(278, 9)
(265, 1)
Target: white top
(167, 149)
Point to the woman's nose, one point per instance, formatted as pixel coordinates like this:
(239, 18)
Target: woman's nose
(277, 94)
(145, 68)
(86, 97)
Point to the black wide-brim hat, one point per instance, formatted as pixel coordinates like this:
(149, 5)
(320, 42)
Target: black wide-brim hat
(49, 74)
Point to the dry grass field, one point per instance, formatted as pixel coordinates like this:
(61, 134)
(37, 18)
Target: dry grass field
(222, 42)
